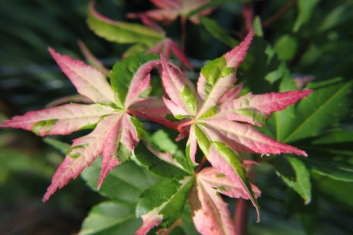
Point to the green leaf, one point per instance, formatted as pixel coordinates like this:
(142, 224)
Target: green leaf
(257, 117)
(218, 32)
(157, 166)
(336, 16)
(164, 142)
(121, 32)
(215, 70)
(17, 161)
(336, 190)
(335, 137)
(189, 99)
(211, 4)
(333, 143)
(286, 47)
(166, 198)
(124, 71)
(59, 145)
(306, 8)
(336, 170)
(258, 27)
(110, 218)
(124, 183)
(295, 174)
(323, 109)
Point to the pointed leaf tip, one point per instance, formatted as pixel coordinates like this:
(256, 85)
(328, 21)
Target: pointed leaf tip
(236, 56)
(149, 221)
(88, 80)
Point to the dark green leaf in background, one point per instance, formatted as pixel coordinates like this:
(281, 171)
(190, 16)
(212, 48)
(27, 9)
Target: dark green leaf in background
(124, 183)
(286, 47)
(218, 32)
(295, 174)
(323, 109)
(111, 218)
(166, 198)
(306, 8)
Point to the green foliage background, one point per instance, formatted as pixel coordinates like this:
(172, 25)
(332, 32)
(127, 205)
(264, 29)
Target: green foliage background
(313, 39)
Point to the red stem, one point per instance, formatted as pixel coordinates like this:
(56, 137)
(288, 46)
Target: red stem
(203, 161)
(175, 127)
(241, 217)
(248, 16)
(279, 13)
(183, 32)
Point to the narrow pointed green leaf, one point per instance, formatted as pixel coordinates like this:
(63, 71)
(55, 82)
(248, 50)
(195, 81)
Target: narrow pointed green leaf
(218, 32)
(336, 170)
(295, 174)
(324, 108)
(120, 32)
(306, 9)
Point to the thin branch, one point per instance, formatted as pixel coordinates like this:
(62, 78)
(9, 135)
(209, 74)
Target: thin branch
(153, 119)
(241, 217)
(279, 13)
(199, 167)
(183, 32)
(248, 16)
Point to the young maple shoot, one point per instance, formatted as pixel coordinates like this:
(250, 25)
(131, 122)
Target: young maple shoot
(212, 116)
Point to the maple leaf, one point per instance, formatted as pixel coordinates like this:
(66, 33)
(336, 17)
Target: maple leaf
(209, 212)
(169, 10)
(116, 132)
(218, 121)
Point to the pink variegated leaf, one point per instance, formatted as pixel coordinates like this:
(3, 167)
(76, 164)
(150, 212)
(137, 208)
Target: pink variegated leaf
(231, 94)
(208, 211)
(130, 78)
(110, 147)
(166, 46)
(237, 55)
(88, 81)
(170, 10)
(255, 109)
(219, 75)
(149, 221)
(183, 99)
(225, 159)
(155, 110)
(244, 137)
(146, 21)
(61, 120)
(120, 142)
(81, 154)
(224, 185)
(191, 145)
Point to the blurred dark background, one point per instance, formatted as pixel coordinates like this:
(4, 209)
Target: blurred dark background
(29, 79)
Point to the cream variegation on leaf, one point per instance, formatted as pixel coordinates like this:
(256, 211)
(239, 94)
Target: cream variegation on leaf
(209, 212)
(115, 131)
(219, 121)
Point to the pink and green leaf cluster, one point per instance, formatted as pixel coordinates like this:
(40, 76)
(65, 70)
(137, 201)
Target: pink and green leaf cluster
(211, 115)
